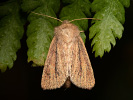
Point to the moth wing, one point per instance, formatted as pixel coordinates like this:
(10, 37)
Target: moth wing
(81, 70)
(54, 74)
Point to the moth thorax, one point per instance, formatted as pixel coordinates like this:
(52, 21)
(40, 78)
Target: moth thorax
(67, 36)
(67, 31)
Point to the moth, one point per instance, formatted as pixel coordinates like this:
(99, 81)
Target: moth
(67, 58)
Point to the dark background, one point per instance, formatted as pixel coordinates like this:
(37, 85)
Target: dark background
(113, 74)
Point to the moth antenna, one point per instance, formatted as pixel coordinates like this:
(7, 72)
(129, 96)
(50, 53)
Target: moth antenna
(47, 16)
(83, 18)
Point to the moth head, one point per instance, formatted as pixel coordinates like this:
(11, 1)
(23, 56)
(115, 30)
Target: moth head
(67, 31)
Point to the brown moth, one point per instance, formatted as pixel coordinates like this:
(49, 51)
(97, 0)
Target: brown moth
(67, 58)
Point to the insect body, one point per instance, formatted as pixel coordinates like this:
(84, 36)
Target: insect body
(67, 57)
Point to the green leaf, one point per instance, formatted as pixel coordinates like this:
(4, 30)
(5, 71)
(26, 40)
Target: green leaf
(76, 9)
(104, 32)
(39, 39)
(41, 29)
(126, 3)
(11, 31)
(30, 5)
(3, 9)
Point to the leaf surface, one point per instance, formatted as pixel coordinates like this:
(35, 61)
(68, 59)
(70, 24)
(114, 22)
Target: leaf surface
(11, 31)
(104, 32)
(41, 29)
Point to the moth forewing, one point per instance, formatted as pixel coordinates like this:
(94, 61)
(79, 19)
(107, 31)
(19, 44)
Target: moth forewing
(81, 70)
(53, 73)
